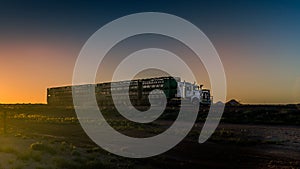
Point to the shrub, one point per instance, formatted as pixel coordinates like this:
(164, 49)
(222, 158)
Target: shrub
(42, 147)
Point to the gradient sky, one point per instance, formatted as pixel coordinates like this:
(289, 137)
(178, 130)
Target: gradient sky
(258, 43)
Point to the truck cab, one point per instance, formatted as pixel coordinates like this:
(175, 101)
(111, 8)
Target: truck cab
(194, 93)
(205, 97)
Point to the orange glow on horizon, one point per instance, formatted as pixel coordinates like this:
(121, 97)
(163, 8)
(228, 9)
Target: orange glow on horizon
(28, 69)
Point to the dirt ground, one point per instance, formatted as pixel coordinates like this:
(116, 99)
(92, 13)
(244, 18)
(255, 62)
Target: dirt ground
(65, 145)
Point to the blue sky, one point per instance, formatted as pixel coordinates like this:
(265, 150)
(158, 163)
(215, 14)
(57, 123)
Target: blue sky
(258, 42)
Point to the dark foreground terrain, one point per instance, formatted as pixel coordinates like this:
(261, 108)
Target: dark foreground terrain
(38, 136)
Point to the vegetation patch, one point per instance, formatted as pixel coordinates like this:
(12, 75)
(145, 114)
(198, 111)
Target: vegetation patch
(43, 148)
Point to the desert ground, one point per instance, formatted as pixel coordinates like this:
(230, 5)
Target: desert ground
(39, 136)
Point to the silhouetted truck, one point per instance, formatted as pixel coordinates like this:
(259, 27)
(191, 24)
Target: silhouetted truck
(174, 89)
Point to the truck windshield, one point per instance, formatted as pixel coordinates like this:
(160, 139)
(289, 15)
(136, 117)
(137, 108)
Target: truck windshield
(205, 95)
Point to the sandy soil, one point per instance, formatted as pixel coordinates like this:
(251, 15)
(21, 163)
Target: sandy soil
(233, 146)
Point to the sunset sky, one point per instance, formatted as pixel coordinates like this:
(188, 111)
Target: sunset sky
(257, 41)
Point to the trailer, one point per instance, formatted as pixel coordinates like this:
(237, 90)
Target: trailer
(140, 90)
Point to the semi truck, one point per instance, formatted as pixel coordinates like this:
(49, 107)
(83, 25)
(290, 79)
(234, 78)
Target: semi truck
(140, 90)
